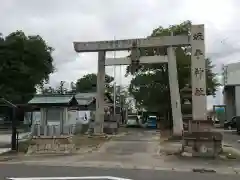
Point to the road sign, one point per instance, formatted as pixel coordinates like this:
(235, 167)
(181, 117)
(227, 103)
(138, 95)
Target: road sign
(126, 44)
(71, 178)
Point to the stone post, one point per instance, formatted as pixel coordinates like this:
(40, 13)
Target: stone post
(174, 93)
(99, 119)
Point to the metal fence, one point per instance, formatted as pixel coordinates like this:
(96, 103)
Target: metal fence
(71, 129)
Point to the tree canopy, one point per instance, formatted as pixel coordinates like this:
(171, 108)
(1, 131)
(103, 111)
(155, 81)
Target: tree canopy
(150, 85)
(26, 62)
(88, 83)
(59, 89)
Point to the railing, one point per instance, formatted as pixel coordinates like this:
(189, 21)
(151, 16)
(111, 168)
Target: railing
(52, 130)
(71, 129)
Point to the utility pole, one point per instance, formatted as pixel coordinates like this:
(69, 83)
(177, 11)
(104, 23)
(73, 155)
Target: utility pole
(114, 98)
(14, 130)
(114, 85)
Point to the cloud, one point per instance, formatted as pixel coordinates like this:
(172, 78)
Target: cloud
(61, 22)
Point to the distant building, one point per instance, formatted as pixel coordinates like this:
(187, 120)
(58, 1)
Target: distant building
(231, 89)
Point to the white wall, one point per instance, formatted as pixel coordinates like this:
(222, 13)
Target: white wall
(84, 117)
(36, 117)
(72, 117)
(81, 117)
(237, 100)
(232, 74)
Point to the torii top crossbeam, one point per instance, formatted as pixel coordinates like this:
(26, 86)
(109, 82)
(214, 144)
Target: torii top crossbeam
(126, 44)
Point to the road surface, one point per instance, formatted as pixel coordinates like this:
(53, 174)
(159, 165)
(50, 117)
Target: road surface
(17, 171)
(137, 149)
(232, 138)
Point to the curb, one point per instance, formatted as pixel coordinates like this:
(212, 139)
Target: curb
(110, 165)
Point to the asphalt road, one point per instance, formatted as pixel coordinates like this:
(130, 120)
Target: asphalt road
(232, 138)
(17, 171)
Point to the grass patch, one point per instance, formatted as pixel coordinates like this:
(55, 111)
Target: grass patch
(23, 145)
(22, 149)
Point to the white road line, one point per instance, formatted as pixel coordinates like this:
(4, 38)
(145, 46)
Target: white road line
(70, 178)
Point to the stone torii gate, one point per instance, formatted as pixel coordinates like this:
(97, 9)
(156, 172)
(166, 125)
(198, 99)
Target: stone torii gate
(198, 72)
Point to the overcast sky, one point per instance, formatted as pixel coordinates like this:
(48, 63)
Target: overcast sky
(60, 22)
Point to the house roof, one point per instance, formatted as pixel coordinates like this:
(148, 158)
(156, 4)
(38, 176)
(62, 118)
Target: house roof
(85, 98)
(81, 98)
(85, 95)
(51, 99)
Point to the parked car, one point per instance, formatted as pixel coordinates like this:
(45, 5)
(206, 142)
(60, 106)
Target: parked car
(152, 121)
(133, 121)
(238, 124)
(231, 124)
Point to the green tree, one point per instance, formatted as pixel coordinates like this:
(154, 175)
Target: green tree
(61, 89)
(48, 90)
(88, 83)
(26, 63)
(150, 85)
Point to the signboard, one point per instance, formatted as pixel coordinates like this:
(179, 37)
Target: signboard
(71, 178)
(143, 60)
(231, 74)
(198, 73)
(126, 44)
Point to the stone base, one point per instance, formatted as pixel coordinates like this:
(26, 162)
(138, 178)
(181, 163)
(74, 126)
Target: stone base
(103, 135)
(110, 130)
(51, 145)
(200, 125)
(110, 127)
(203, 143)
(175, 138)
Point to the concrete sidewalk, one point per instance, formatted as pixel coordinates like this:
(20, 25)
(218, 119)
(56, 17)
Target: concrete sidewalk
(5, 141)
(6, 138)
(4, 150)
